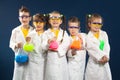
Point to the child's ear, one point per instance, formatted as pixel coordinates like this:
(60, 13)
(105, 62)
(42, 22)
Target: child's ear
(89, 24)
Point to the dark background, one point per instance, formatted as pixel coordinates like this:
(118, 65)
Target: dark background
(109, 10)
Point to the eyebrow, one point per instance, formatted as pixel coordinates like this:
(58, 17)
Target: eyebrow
(38, 21)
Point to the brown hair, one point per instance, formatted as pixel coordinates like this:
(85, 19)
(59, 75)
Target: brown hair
(74, 19)
(39, 17)
(24, 9)
(63, 25)
(91, 17)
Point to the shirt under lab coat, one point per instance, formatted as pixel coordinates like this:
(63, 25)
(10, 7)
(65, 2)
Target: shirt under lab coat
(95, 70)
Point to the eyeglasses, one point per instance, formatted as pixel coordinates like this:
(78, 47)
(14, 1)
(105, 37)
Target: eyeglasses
(55, 18)
(24, 16)
(75, 27)
(96, 23)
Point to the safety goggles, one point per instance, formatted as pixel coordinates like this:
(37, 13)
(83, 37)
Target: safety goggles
(55, 18)
(96, 24)
(24, 16)
(74, 27)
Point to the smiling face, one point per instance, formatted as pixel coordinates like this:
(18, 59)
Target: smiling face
(95, 25)
(24, 18)
(55, 20)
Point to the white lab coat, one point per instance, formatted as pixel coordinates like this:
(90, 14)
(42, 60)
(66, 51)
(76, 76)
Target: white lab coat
(56, 64)
(76, 63)
(36, 64)
(94, 70)
(16, 37)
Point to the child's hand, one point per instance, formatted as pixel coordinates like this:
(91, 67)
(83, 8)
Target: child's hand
(73, 52)
(55, 50)
(50, 40)
(79, 35)
(103, 60)
(19, 45)
(82, 47)
(28, 39)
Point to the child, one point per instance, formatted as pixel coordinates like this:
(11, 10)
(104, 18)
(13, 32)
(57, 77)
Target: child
(77, 53)
(36, 57)
(98, 49)
(18, 39)
(56, 43)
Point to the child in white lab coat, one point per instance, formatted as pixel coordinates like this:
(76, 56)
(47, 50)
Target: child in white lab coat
(98, 49)
(36, 62)
(77, 52)
(18, 39)
(56, 43)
